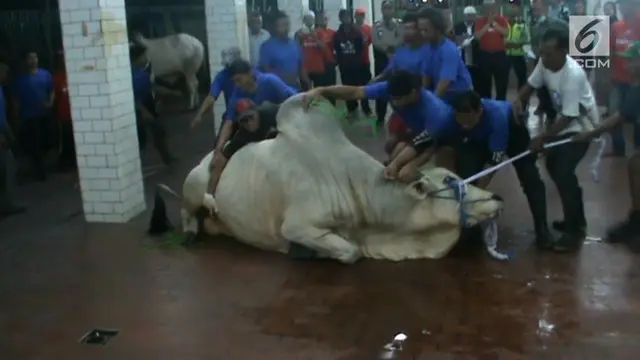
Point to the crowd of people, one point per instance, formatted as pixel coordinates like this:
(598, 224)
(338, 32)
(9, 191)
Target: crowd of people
(438, 78)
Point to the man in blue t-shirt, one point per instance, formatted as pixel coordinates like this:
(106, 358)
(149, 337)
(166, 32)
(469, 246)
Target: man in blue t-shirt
(444, 70)
(485, 133)
(222, 84)
(147, 118)
(257, 87)
(423, 113)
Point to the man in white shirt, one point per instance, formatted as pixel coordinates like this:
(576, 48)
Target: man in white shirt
(572, 97)
(257, 36)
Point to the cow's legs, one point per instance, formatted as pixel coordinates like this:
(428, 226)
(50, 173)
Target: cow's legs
(192, 87)
(321, 240)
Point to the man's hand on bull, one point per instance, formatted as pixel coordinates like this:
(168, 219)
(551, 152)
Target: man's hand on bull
(311, 96)
(391, 171)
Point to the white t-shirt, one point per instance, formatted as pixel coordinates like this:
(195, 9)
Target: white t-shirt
(255, 42)
(571, 94)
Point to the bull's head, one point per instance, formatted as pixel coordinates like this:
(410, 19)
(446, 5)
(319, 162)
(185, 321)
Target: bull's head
(443, 201)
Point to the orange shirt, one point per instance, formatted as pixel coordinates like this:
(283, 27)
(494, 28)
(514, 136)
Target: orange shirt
(63, 106)
(621, 38)
(326, 35)
(492, 41)
(366, 31)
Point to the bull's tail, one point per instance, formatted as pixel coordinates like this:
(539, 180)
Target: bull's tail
(160, 223)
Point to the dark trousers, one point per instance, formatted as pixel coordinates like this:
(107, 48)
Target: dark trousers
(35, 135)
(494, 68)
(327, 78)
(381, 61)
(519, 66)
(561, 164)
(158, 133)
(67, 159)
(625, 93)
(475, 76)
(473, 156)
(545, 103)
(356, 76)
(7, 178)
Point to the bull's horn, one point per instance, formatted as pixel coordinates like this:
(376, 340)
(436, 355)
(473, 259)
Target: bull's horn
(160, 223)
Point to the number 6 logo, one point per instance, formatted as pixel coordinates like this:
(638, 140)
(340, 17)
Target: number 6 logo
(584, 34)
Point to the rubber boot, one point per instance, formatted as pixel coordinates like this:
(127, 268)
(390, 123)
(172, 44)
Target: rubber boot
(538, 208)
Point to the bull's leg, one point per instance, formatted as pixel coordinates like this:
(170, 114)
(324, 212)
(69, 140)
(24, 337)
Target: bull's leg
(321, 240)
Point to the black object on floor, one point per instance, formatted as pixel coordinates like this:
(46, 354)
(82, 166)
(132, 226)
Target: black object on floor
(99, 336)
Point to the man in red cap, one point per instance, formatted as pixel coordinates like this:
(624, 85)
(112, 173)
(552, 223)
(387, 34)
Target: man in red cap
(365, 29)
(255, 123)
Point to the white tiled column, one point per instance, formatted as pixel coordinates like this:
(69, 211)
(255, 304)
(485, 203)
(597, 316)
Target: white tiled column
(376, 4)
(226, 27)
(99, 76)
(295, 9)
(332, 8)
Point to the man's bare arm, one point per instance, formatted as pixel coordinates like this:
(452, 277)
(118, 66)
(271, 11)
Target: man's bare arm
(343, 92)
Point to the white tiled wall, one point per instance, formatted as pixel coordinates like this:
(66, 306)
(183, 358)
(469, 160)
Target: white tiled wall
(99, 76)
(226, 27)
(295, 9)
(332, 7)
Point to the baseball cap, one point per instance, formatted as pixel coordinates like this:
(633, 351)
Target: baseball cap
(360, 11)
(633, 52)
(469, 10)
(244, 107)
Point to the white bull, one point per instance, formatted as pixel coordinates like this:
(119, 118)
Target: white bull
(310, 185)
(174, 55)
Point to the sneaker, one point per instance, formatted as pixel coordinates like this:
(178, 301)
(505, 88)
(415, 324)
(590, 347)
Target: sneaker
(625, 230)
(562, 227)
(568, 243)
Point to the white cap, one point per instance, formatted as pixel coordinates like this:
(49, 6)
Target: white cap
(308, 13)
(469, 10)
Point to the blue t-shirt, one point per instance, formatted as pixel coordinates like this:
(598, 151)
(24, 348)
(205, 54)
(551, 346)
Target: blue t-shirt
(430, 114)
(408, 59)
(3, 112)
(493, 127)
(270, 88)
(445, 63)
(282, 57)
(223, 84)
(32, 91)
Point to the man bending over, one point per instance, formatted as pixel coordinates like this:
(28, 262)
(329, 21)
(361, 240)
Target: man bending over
(255, 123)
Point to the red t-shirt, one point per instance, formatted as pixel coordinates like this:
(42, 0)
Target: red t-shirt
(621, 38)
(366, 31)
(492, 41)
(326, 35)
(63, 106)
(312, 54)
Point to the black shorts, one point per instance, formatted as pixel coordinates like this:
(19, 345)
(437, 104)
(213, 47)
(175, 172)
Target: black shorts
(241, 138)
(630, 108)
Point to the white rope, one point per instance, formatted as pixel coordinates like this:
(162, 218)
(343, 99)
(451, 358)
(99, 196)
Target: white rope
(490, 228)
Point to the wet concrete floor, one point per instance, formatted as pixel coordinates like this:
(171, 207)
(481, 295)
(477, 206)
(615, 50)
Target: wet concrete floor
(60, 278)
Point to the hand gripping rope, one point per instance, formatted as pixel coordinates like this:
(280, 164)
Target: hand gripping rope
(490, 227)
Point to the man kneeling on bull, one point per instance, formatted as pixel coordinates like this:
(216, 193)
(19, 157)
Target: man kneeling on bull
(421, 111)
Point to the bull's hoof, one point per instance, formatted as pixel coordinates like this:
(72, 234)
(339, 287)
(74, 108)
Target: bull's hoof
(351, 257)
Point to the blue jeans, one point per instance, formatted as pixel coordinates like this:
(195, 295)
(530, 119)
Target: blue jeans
(627, 95)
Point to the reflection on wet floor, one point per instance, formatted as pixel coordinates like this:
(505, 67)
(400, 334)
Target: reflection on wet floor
(227, 301)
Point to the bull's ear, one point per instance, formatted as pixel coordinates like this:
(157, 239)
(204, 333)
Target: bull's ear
(419, 189)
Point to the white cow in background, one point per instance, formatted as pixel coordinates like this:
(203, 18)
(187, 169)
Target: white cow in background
(173, 55)
(310, 185)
